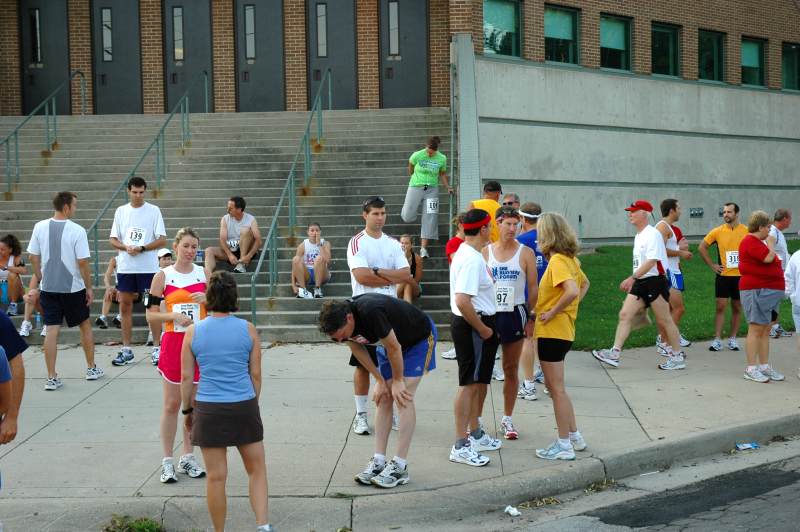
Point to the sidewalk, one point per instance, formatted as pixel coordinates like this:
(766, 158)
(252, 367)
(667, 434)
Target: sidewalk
(91, 449)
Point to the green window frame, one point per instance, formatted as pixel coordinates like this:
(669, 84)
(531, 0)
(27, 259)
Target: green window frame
(665, 49)
(501, 27)
(711, 55)
(790, 66)
(560, 34)
(752, 61)
(615, 42)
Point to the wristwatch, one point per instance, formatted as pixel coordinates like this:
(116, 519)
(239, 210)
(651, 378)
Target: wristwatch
(143, 249)
(375, 271)
(187, 411)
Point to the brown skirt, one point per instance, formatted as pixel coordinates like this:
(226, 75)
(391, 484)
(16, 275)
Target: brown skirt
(226, 424)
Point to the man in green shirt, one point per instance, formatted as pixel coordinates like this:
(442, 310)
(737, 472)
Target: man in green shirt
(425, 167)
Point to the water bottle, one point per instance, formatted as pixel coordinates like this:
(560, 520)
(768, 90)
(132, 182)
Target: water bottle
(38, 321)
(4, 293)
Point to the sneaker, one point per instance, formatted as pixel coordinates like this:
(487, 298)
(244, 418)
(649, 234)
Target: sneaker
(732, 345)
(772, 374)
(149, 341)
(53, 383)
(360, 425)
(779, 332)
(265, 528)
(529, 394)
(685, 342)
(673, 362)
(168, 475)
(395, 422)
(155, 355)
(556, 452)
(538, 376)
(468, 455)
(302, 293)
(716, 345)
(755, 375)
(486, 443)
(25, 328)
(318, 293)
(92, 374)
(371, 471)
(44, 331)
(391, 476)
(125, 356)
(661, 349)
(509, 432)
(497, 372)
(101, 322)
(608, 356)
(240, 268)
(188, 464)
(12, 309)
(578, 444)
(423, 253)
(117, 321)
(450, 354)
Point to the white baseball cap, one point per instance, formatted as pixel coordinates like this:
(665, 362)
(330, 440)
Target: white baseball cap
(164, 251)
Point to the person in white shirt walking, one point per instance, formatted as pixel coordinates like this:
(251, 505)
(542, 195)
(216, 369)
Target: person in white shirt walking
(310, 264)
(239, 238)
(138, 231)
(59, 252)
(376, 263)
(792, 277)
(780, 223)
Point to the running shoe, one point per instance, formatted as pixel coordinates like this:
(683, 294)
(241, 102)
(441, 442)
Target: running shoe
(685, 342)
(423, 253)
(661, 349)
(608, 356)
(529, 394)
(302, 293)
(117, 321)
(486, 443)
(716, 345)
(155, 355)
(53, 383)
(779, 332)
(44, 331)
(125, 356)
(450, 354)
(240, 268)
(538, 376)
(318, 293)
(578, 443)
(265, 528)
(168, 475)
(12, 309)
(395, 422)
(188, 464)
(92, 374)
(391, 476)
(556, 452)
(497, 372)
(673, 363)
(755, 375)
(371, 471)
(25, 328)
(149, 341)
(101, 322)
(772, 374)
(468, 455)
(732, 344)
(509, 432)
(360, 425)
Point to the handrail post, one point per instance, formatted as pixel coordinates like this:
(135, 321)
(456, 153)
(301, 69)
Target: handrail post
(47, 125)
(163, 157)
(306, 161)
(96, 257)
(83, 95)
(318, 106)
(205, 91)
(16, 157)
(55, 123)
(186, 114)
(273, 267)
(158, 162)
(292, 204)
(330, 91)
(8, 168)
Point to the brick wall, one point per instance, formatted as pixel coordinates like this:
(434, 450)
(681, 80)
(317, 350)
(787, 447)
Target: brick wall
(439, 57)
(10, 81)
(152, 56)
(368, 54)
(80, 52)
(294, 28)
(224, 55)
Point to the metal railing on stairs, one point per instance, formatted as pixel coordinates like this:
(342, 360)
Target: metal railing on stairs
(12, 167)
(308, 144)
(453, 207)
(158, 144)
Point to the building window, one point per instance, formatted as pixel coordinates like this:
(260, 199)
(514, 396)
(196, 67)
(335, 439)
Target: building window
(665, 51)
(615, 42)
(752, 62)
(394, 29)
(250, 32)
(501, 27)
(711, 55)
(560, 35)
(322, 30)
(36, 36)
(108, 52)
(791, 66)
(177, 33)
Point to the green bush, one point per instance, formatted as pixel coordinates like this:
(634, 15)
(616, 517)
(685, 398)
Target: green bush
(124, 523)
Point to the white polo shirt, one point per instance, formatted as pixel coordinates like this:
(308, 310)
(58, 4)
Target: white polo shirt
(469, 274)
(383, 252)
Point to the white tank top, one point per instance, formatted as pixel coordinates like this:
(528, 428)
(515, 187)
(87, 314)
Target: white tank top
(672, 244)
(509, 281)
(4, 273)
(311, 251)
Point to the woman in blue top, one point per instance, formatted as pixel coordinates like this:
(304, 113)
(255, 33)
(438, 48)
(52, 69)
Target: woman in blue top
(225, 410)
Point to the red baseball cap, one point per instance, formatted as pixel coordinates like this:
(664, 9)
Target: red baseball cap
(640, 205)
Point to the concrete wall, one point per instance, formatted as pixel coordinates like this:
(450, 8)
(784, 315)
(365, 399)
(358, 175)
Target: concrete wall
(586, 142)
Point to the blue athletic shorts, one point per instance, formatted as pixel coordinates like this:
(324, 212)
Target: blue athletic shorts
(417, 359)
(311, 280)
(134, 283)
(511, 325)
(675, 280)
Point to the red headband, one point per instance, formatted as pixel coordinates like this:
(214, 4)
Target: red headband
(479, 223)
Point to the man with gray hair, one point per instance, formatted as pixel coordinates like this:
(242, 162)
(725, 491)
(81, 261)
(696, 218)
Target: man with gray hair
(510, 200)
(780, 223)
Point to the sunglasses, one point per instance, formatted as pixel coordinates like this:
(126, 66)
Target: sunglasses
(373, 199)
(508, 203)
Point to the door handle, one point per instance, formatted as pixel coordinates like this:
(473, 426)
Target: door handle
(245, 75)
(389, 73)
(102, 79)
(317, 75)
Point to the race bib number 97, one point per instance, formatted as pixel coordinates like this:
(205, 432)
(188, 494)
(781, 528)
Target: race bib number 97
(732, 259)
(504, 298)
(190, 310)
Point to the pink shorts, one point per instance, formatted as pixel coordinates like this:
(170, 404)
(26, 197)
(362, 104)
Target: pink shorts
(169, 359)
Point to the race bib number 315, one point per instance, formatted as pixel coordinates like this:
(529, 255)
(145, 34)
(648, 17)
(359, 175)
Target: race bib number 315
(732, 259)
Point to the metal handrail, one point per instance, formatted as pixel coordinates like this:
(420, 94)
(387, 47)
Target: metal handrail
(51, 143)
(159, 142)
(453, 207)
(305, 148)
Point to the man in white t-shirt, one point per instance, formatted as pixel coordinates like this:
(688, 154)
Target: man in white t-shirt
(137, 233)
(376, 263)
(646, 287)
(59, 252)
(239, 238)
(780, 223)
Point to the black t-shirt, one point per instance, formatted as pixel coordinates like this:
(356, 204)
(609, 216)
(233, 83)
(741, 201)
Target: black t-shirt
(376, 314)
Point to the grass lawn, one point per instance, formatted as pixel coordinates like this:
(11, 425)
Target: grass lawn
(598, 312)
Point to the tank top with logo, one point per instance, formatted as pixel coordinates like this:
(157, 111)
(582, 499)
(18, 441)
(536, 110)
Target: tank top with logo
(510, 281)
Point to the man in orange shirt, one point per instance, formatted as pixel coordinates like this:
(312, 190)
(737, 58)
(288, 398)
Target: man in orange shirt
(489, 203)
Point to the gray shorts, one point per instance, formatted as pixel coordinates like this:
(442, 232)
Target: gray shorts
(796, 317)
(760, 304)
(430, 210)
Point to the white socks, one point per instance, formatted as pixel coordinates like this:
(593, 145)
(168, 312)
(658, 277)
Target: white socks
(361, 403)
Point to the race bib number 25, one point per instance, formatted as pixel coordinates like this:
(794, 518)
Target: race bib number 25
(190, 310)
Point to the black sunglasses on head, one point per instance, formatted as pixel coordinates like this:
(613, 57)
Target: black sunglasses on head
(372, 200)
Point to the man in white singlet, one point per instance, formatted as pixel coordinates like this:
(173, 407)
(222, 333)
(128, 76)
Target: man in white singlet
(780, 223)
(239, 238)
(310, 264)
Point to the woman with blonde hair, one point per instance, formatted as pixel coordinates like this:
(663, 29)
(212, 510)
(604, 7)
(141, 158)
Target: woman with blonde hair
(561, 289)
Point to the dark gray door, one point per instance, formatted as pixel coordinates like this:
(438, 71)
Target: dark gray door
(332, 45)
(404, 53)
(117, 57)
(45, 52)
(187, 51)
(259, 55)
